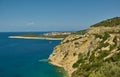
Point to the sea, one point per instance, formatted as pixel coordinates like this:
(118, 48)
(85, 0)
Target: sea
(26, 57)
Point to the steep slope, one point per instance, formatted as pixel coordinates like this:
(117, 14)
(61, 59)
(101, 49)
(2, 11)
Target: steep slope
(82, 55)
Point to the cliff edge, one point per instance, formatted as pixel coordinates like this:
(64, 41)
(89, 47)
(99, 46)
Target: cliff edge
(84, 55)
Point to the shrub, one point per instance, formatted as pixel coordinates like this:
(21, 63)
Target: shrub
(80, 60)
(106, 35)
(111, 47)
(103, 54)
(98, 36)
(118, 48)
(108, 70)
(116, 57)
(115, 40)
(75, 65)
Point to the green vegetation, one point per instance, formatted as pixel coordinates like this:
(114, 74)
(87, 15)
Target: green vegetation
(75, 65)
(71, 40)
(103, 54)
(76, 39)
(98, 36)
(105, 36)
(81, 32)
(96, 66)
(80, 60)
(54, 36)
(118, 48)
(115, 44)
(100, 60)
(43, 36)
(115, 41)
(29, 35)
(111, 69)
(86, 68)
(116, 57)
(108, 23)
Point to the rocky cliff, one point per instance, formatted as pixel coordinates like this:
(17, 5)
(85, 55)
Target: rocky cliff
(83, 55)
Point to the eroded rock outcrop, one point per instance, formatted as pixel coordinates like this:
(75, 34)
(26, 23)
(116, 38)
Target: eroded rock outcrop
(81, 55)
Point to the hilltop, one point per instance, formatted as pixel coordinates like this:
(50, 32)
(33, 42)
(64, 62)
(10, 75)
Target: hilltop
(108, 23)
(94, 53)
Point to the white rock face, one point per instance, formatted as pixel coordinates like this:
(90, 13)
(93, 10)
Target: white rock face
(66, 53)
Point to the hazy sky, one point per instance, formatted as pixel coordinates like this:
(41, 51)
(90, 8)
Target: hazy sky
(54, 15)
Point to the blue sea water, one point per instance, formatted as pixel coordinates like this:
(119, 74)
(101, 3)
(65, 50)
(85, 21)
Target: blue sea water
(20, 57)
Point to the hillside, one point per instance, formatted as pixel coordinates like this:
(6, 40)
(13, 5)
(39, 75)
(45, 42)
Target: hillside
(108, 23)
(96, 53)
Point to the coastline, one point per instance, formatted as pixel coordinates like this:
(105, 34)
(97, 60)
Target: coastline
(60, 66)
(55, 64)
(41, 38)
(44, 60)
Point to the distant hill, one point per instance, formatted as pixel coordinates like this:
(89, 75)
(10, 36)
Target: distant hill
(81, 32)
(48, 36)
(108, 23)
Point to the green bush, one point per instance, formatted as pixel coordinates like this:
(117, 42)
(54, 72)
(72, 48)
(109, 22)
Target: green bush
(80, 60)
(118, 48)
(102, 54)
(115, 57)
(112, 47)
(108, 70)
(115, 40)
(106, 35)
(75, 65)
(98, 36)
(81, 32)
(92, 57)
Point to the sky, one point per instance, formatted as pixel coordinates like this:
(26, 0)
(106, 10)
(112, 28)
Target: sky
(54, 15)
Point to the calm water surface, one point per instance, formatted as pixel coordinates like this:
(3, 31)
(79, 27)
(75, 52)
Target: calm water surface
(20, 57)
